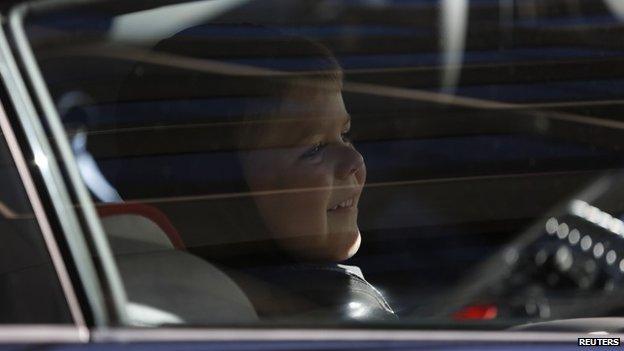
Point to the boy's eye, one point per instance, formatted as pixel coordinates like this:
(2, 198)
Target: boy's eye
(346, 136)
(314, 150)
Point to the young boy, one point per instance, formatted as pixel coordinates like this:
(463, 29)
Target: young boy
(302, 171)
(299, 170)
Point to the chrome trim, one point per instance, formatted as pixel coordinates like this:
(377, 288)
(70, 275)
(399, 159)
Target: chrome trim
(44, 225)
(116, 293)
(40, 334)
(52, 178)
(195, 335)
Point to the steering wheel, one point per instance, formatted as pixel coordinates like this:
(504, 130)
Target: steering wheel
(568, 264)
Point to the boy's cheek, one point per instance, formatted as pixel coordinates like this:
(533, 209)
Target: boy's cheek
(298, 212)
(307, 183)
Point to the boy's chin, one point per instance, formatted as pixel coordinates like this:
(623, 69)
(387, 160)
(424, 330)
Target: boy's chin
(356, 245)
(337, 249)
(348, 249)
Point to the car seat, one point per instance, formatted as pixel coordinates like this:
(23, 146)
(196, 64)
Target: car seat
(164, 283)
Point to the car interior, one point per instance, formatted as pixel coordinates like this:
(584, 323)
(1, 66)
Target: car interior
(463, 177)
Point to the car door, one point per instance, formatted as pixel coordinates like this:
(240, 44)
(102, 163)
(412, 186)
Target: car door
(135, 163)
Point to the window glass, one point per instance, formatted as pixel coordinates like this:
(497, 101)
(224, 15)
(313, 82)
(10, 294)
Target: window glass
(338, 162)
(29, 288)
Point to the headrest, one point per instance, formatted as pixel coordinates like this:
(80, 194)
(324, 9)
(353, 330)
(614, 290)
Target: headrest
(134, 227)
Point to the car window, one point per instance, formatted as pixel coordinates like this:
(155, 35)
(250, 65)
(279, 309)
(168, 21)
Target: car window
(339, 162)
(30, 292)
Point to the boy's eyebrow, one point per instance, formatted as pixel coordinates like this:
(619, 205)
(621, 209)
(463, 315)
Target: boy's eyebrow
(288, 133)
(306, 135)
(303, 131)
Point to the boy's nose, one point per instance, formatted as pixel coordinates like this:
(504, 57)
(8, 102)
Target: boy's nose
(349, 161)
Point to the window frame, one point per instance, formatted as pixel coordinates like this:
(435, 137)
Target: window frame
(307, 336)
(104, 284)
(77, 331)
(82, 228)
(72, 258)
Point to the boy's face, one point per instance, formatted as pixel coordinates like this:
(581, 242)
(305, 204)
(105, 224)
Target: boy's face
(306, 178)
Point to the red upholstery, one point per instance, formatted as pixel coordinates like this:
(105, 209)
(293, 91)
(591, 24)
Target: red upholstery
(147, 211)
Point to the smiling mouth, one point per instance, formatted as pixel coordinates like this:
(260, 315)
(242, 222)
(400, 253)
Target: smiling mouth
(345, 205)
